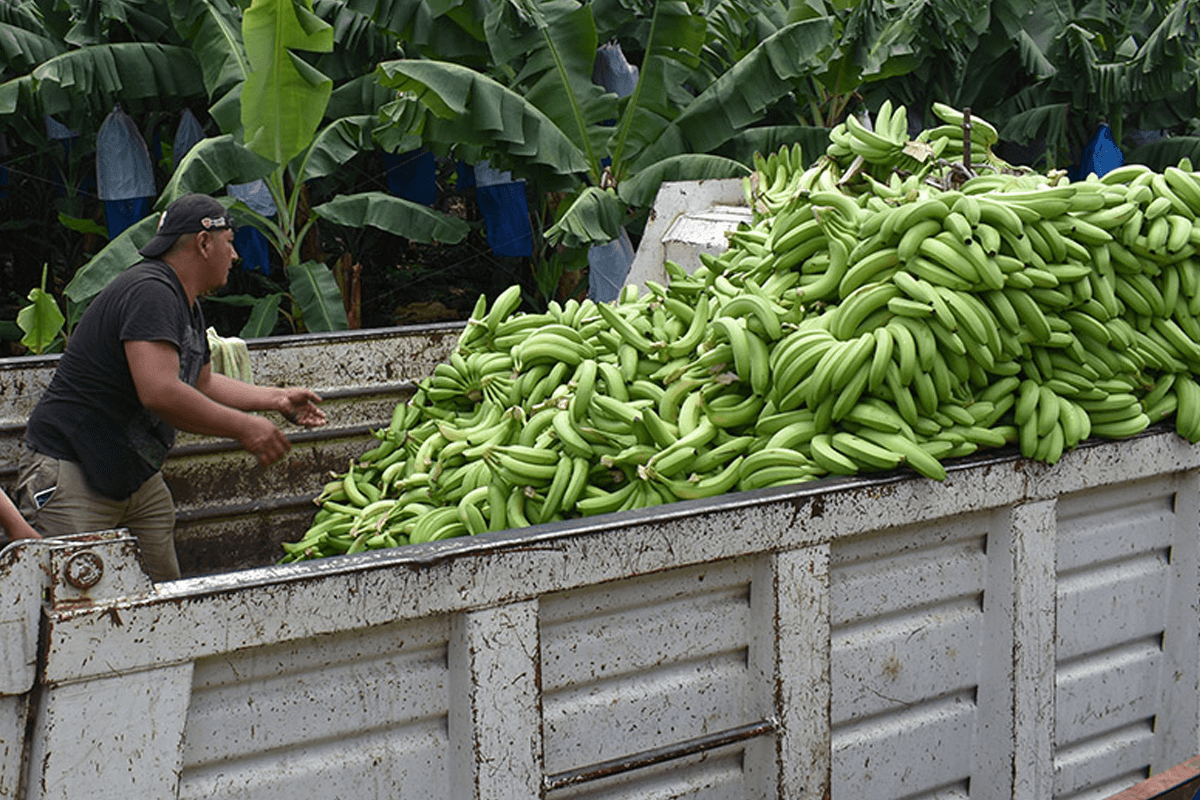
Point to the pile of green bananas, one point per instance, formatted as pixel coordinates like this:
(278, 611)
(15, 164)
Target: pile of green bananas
(852, 326)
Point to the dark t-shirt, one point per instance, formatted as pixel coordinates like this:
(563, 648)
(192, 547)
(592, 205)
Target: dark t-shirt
(90, 412)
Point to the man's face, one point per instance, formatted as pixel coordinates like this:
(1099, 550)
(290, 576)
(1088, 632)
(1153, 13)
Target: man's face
(219, 253)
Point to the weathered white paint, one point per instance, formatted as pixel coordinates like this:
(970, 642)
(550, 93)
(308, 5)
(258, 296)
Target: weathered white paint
(688, 218)
(494, 723)
(1032, 549)
(1017, 631)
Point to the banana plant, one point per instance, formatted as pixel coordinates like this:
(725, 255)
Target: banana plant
(542, 115)
(280, 136)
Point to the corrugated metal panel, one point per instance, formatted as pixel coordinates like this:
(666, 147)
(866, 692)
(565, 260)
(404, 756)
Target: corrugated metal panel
(637, 665)
(358, 715)
(1115, 582)
(907, 625)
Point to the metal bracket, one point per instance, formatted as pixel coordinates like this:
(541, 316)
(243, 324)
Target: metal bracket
(89, 567)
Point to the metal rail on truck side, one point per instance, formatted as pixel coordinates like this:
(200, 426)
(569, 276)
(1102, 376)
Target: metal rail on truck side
(1018, 631)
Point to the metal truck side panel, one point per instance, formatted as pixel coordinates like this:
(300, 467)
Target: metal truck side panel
(879, 637)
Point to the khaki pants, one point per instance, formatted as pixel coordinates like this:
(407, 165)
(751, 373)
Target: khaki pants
(56, 499)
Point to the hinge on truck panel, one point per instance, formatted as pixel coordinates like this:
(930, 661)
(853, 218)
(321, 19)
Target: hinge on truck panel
(90, 567)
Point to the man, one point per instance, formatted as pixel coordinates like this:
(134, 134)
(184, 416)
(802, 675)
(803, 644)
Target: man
(137, 368)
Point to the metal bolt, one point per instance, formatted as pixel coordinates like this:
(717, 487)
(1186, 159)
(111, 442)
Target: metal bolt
(84, 570)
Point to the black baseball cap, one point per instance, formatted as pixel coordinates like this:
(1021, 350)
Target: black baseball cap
(190, 213)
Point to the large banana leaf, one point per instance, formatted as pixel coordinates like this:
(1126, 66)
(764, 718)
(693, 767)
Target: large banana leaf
(478, 110)
(594, 217)
(676, 34)
(551, 45)
(735, 27)
(744, 94)
(449, 30)
(211, 165)
(1167, 152)
(336, 144)
(1167, 60)
(116, 257)
(17, 94)
(770, 138)
(361, 95)
(401, 127)
(283, 99)
(101, 75)
(263, 316)
(359, 43)
(227, 111)
(213, 29)
(23, 43)
(1032, 58)
(394, 215)
(315, 291)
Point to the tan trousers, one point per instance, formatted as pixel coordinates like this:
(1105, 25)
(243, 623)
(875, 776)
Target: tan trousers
(56, 499)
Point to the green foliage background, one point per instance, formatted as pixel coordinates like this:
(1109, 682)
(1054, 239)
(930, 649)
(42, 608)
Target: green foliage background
(308, 94)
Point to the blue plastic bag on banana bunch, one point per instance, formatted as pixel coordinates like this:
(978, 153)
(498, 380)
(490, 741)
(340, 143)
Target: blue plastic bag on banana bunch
(1101, 153)
(187, 135)
(56, 131)
(252, 247)
(612, 71)
(608, 264)
(124, 172)
(505, 211)
(412, 176)
(251, 244)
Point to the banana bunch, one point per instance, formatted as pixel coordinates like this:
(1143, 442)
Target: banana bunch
(776, 178)
(850, 327)
(951, 136)
(884, 148)
(229, 356)
(882, 144)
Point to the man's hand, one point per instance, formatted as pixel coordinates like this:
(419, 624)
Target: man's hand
(299, 406)
(263, 440)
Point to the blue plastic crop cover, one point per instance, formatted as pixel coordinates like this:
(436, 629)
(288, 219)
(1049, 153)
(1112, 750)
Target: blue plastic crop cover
(613, 71)
(124, 172)
(123, 166)
(120, 214)
(251, 244)
(1101, 153)
(187, 135)
(505, 211)
(412, 176)
(608, 265)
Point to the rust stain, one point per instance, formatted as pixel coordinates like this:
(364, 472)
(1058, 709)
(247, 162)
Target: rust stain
(818, 506)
